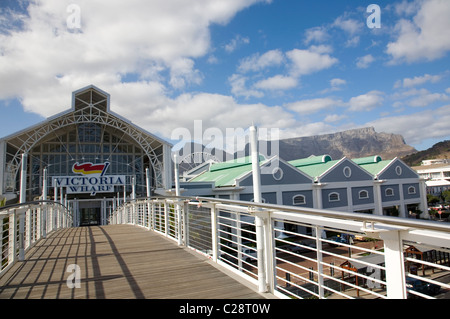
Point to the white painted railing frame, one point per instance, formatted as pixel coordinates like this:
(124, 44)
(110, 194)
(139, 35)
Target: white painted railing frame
(299, 262)
(23, 225)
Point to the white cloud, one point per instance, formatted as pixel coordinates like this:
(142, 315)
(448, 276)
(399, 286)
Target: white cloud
(351, 26)
(425, 37)
(417, 80)
(407, 125)
(427, 99)
(42, 61)
(365, 61)
(330, 118)
(316, 34)
(277, 82)
(239, 87)
(259, 62)
(313, 105)
(309, 61)
(337, 82)
(418, 97)
(235, 42)
(366, 102)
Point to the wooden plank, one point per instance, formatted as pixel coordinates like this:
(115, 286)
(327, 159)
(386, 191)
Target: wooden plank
(117, 261)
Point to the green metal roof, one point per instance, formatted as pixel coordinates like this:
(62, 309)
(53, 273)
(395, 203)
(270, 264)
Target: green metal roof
(312, 160)
(367, 160)
(226, 173)
(316, 170)
(314, 166)
(375, 168)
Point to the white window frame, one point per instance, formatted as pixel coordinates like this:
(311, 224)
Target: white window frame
(389, 189)
(361, 192)
(334, 200)
(298, 196)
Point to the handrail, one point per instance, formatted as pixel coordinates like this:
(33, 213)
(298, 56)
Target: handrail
(397, 221)
(228, 230)
(24, 224)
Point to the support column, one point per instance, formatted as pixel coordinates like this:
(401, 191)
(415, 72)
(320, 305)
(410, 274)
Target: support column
(133, 188)
(423, 199)
(55, 188)
(317, 195)
(23, 179)
(395, 265)
(402, 206)
(44, 197)
(177, 193)
(378, 199)
(148, 188)
(2, 166)
(148, 181)
(259, 221)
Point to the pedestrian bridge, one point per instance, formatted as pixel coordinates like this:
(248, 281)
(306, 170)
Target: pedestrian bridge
(191, 248)
(117, 261)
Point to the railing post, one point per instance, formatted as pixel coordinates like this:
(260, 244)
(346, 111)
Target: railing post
(39, 223)
(269, 253)
(12, 237)
(395, 265)
(152, 215)
(29, 227)
(166, 218)
(21, 236)
(319, 261)
(186, 223)
(260, 248)
(214, 235)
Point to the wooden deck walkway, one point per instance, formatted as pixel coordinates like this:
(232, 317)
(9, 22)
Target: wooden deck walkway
(118, 261)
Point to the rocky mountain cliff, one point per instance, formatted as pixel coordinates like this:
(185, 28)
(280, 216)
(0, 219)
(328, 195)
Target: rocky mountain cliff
(352, 143)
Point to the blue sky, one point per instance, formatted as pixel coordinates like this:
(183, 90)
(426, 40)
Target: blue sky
(304, 67)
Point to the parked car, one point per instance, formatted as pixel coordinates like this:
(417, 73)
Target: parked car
(249, 252)
(422, 287)
(342, 238)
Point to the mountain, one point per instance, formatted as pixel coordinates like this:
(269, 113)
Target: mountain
(351, 143)
(438, 150)
(354, 143)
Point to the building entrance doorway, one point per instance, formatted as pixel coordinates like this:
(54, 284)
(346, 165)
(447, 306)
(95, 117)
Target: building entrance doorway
(89, 212)
(89, 216)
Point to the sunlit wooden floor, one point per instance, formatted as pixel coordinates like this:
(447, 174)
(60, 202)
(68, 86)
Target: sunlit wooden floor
(117, 261)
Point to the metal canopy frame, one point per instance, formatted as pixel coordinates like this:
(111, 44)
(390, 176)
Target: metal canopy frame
(92, 111)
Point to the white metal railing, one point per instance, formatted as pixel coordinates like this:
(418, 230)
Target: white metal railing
(305, 253)
(23, 225)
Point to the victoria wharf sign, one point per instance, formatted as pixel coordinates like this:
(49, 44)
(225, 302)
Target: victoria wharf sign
(89, 178)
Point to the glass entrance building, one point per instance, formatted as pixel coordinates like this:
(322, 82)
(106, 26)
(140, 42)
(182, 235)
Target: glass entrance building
(90, 157)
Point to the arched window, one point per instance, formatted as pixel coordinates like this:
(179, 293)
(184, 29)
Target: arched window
(333, 197)
(299, 200)
(389, 192)
(363, 194)
(411, 190)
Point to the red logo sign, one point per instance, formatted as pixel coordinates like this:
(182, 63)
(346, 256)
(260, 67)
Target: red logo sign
(89, 168)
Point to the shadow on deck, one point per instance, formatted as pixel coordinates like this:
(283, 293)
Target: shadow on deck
(120, 262)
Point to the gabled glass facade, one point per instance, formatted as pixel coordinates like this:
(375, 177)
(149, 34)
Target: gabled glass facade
(87, 133)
